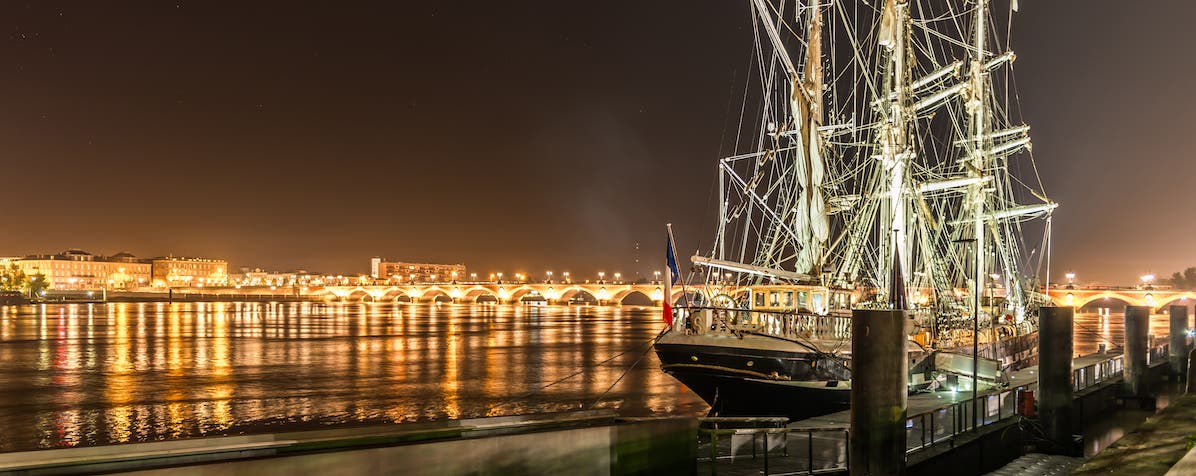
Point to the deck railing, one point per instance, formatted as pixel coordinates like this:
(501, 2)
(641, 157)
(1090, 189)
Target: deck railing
(785, 325)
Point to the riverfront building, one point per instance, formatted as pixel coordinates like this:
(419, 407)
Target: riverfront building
(170, 271)
(76, 269)
(405, 272)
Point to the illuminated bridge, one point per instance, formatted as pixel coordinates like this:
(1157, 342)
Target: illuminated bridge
(553, 293)
(1155, 298)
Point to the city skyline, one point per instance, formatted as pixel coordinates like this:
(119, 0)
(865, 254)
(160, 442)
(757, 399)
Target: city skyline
(289, 136)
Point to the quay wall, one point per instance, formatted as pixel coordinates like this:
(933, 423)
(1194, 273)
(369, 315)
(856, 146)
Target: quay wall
(584, 444)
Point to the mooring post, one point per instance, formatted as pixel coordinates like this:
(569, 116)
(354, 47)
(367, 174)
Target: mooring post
(1055, 344)
(879, 388)
(1178, 347)
(1137, 324)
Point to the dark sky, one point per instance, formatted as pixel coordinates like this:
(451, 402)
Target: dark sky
(513, 136)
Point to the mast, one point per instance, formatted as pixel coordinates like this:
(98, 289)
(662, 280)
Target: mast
(895, 151)
(978, 163)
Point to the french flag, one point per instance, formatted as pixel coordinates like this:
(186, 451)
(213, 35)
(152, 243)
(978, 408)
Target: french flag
(671, 276)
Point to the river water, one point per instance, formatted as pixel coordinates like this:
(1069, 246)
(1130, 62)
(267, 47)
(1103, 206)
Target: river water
(91, 374)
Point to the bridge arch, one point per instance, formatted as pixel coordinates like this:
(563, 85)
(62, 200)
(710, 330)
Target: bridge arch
(395, 295)
(359, 295)
(1079, 301)
(475, 294)
(1167, 301)
(568, 294)
(621, 296)
(519, 293)
(436, 295)
(696, 297)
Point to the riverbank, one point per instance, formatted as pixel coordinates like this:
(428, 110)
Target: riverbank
(1154, 448)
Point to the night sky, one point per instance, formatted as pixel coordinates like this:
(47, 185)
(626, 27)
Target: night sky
(512, 136)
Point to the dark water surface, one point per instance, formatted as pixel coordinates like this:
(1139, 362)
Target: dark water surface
(89, 374)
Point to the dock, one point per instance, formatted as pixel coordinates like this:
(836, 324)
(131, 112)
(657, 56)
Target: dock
(937, 427)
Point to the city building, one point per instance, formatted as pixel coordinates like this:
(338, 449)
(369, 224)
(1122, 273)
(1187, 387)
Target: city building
(258, 277)
(404, 272)
(76, 269)
(170, 271)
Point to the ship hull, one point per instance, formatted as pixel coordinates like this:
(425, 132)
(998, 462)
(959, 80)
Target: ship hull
(755, 376)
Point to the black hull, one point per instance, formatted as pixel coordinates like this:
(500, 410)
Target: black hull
(737, 379)
(738, 396)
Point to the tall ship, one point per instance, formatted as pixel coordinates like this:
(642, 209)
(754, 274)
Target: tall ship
(882, 159)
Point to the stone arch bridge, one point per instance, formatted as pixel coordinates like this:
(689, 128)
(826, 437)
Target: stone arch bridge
(1156, 299)
(553, 293)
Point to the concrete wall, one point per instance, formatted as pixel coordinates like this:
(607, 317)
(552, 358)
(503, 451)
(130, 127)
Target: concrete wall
(656, 446)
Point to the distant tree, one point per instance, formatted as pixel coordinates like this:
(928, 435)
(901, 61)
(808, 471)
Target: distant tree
(38, 284)
(13, 278)
(1184, 280)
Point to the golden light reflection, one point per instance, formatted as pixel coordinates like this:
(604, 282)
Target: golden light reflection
(195, 369)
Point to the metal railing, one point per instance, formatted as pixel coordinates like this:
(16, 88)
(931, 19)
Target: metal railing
(1091, 375)
(815, 450)
(791, 326)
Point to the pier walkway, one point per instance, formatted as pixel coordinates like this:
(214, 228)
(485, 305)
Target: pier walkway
(936, 423)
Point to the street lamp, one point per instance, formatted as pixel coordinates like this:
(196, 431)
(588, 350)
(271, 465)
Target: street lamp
(566, 274)
(1071, 280)
(657, 274)
(601, 274)
(1146, 279)
(617, 276)
(549, 280)
(499, 277)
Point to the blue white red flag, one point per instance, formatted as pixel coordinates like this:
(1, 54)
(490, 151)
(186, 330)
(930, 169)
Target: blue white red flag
(672, 275)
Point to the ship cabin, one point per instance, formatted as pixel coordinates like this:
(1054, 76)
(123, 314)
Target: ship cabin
(802, 298)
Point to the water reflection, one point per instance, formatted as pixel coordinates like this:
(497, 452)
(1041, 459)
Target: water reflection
(1094, 329)
(85, 374)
